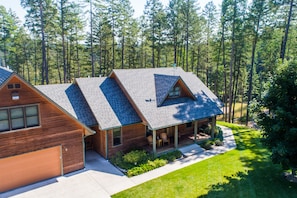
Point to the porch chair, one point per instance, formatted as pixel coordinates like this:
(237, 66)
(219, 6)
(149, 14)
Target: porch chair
(164, 138)
(150, 139)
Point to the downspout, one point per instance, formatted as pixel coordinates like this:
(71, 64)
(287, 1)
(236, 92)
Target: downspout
(84, 149)
(106, 143)
(154, 143)
(176, 137)
(195, 130)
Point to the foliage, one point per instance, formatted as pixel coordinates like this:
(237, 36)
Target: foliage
(207, 145)
(278, 115)
(137, 162)
(171, 156)
(150, 165)
(135, 157)
(243, 172)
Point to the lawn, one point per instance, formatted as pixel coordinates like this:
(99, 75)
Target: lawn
(243, 172)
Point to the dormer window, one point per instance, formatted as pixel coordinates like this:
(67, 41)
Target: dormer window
(174, 92)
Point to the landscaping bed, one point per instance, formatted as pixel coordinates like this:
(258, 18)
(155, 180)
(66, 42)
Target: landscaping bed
(137, 162)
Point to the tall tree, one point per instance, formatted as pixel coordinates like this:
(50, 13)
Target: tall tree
(40, 16)
(278, 121)
(257, 14)
(154, 15)
(8, 30)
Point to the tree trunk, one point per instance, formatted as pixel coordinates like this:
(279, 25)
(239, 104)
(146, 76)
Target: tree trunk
(44, 69)
(91, 35)
(284, 41)
(232, 62)
(250, 91)
(63, 43)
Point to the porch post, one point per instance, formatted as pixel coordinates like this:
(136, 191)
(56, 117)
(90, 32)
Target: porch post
(213, 126)
(154, 142)
(176, 136)
(195, 130)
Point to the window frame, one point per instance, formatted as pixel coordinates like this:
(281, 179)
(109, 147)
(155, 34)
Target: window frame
(174, 92)
(24, 117)
(118, 129)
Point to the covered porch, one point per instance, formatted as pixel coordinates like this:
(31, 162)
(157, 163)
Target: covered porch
(174, 137)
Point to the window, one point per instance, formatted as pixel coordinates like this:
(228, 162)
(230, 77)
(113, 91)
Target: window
(174, 92)
(4, 121)
(14, 86)
(189, 124)
(19, 118)
(117, 136)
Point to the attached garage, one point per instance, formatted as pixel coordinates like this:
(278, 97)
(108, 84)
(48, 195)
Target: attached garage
(30, 167)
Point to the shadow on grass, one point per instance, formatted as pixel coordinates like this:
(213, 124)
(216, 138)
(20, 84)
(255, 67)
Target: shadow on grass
(260, 177)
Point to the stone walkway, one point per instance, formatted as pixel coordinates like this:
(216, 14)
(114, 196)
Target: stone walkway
(101, 179)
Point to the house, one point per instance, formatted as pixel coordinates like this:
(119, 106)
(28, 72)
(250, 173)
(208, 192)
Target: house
(38, 138)
(131, 105)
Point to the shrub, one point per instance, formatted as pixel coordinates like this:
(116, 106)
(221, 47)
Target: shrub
(171, 156)
(218, 142)
(207, 145)
(150, 165)
(138, 161)
(135, 157)
(219, 134)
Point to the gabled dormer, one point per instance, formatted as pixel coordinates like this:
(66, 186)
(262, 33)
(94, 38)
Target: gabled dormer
(171, 87)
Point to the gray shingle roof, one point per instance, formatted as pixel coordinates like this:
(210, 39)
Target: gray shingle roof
(140, 84)
(110, 106)
(4, 74)
(70, 98)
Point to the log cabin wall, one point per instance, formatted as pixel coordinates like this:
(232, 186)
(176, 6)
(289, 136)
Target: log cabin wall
(55, 128)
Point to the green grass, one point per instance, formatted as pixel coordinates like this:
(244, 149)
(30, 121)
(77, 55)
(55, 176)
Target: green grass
(244, 172)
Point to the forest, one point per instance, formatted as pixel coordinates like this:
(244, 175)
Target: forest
(235, 48)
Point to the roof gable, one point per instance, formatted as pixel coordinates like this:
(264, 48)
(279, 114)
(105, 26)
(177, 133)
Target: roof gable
(70, 98)
(108, 103)
(26, 89)
(157, 109)
(165, 83)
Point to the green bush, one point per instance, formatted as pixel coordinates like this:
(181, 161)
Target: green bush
(207, 145)
(219, 134)
(150, 165)
(135, 157)
(171, 156)
(138, 161)
(218, 142)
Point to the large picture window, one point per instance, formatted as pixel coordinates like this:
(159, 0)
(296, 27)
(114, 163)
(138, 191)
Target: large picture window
(117, 136)
(19, 118)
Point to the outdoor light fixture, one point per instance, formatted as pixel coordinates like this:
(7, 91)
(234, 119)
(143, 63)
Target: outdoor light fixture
(15, 95)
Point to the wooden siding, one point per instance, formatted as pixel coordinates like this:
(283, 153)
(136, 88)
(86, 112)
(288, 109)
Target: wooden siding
(133, 136)
(99, 142)
(56, 129)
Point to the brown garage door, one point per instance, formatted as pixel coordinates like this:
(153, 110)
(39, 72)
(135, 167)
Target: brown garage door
(28, 168)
